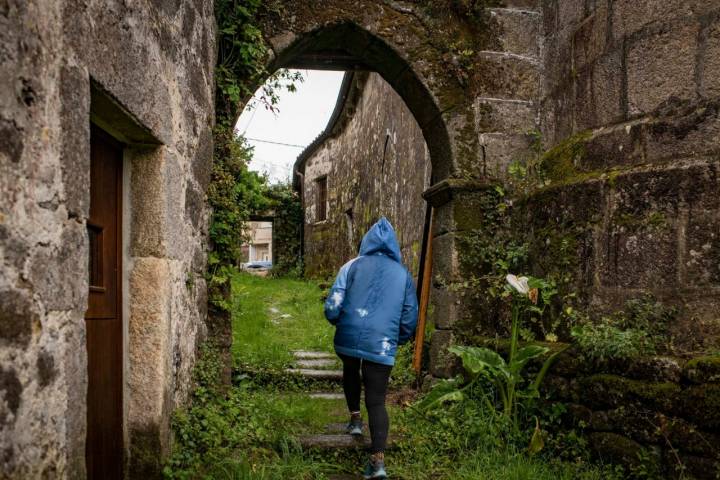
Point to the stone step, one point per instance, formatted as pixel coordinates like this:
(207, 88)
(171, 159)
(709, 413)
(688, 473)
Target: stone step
(332, 375)
(317, 363)
(308, 355)
(327, 396)
(520, 30)
(338, 428)
(341, 441)
(334, 442)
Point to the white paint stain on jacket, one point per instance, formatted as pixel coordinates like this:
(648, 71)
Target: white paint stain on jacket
(362, 312)
(386, 346)
(337, 299)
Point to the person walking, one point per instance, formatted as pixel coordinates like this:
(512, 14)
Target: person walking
(373, 306)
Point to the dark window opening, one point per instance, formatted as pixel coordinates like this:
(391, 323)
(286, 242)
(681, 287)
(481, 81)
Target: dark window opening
(321, 199)
(95, 234)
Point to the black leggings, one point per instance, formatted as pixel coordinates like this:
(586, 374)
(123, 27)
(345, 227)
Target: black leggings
(375, 376)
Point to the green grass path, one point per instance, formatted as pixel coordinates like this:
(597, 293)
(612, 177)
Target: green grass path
(250, 432)
(272, 317)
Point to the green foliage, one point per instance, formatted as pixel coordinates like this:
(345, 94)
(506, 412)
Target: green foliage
(287, 230)
(242, 56)
(467, 440)
(640, 329)
(606, 341)
(234, 193)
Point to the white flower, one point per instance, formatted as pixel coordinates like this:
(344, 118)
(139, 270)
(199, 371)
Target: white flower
(519, 284)
(362, 312)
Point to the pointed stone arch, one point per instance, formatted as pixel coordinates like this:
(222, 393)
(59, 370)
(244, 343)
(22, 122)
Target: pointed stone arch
(469, 74)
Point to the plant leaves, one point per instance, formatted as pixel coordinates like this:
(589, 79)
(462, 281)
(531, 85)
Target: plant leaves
(526, 354)
(444, 391)
(536, 442)
(477, 359)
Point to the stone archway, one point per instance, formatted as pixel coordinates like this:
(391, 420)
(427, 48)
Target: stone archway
(469, 75)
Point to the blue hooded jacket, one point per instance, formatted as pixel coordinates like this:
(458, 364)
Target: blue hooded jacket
(373, 302)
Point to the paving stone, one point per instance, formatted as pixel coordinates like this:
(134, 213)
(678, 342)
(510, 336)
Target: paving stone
(328, 396)
(306, 354)
(332, 442)
(317, 363)
(317, 374)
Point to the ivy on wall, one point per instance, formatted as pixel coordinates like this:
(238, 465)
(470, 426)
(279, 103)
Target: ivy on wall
(235, 191)
(287, 230)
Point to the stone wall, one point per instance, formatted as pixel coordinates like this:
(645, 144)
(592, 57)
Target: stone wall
(62, 62)
(376, 163)
(652, 412)
(630, 102)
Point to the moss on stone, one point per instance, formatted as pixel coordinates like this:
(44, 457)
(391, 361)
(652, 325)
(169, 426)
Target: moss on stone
(704, 369)
(559, 164)
(701, 404)
(605, 390)
(653, 220)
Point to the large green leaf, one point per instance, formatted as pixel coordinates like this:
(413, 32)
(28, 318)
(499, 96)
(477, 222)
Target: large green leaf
(478, 359)
(525, 354)
(444, 391)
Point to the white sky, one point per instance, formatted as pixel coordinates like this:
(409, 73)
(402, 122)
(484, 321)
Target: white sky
(302, 116)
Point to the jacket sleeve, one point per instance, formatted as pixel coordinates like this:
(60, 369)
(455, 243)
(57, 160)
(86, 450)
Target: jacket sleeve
(408, 319)
(336, 297)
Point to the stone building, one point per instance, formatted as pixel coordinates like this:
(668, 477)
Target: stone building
(615, 102)
(259, 245)
(106, 113)
(371, 160)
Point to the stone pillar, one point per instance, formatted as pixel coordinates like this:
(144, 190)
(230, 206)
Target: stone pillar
(458, 208)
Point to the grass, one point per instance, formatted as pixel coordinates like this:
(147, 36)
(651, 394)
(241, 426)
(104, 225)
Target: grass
(272, 317)
(250, 432)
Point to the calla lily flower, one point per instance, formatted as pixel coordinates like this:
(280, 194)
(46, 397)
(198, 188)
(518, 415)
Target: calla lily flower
(520, 284)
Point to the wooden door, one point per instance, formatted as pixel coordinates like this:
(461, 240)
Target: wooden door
(103, 320)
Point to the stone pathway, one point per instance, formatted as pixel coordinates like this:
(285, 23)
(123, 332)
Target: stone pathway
(319, 365)
(316, 365)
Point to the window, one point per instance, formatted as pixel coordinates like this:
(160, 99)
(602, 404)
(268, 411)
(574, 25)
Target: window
(96, 258)
(321, 199)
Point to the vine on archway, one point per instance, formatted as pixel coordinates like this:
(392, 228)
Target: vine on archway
(235, 191)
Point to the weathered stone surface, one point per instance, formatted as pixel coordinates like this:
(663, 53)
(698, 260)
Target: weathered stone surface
(660, 67)
(303, 354)
(374, 123)
(612, 391)
(504, 75)
(629, 16)
(317, 363)
(599, 92)
(75, 154)
(701, 405)
(443, 364)
(333, 375)
(614, 448)
(519, 30)
(18, 317)
(500, 150)
(710, 62)
(511, 116)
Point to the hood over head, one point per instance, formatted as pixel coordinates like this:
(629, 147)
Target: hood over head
(381, 239)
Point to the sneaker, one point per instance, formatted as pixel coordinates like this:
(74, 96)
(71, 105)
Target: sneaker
(375, 470)
(355, 425)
